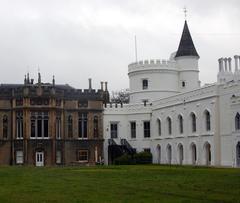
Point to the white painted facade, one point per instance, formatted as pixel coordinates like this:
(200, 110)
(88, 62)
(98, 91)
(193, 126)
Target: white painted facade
(173, 89)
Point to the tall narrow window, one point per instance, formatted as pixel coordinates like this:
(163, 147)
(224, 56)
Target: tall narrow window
(5, 126)
(39, 125)
(58, 157)
(114, 130)
(82, 125)
(58, 126)
(169, 123)
(70, 126)
(19, 157)
(95, 127)
(133, 129)
(180, 120)
(144, 84)
(207, 120)
(237, 121)
(194, 126)
(159, 127)
(146, 129)
(33, 126)
(45, 125)
(19, 125)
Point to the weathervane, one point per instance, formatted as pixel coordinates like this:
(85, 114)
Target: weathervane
(185, 12)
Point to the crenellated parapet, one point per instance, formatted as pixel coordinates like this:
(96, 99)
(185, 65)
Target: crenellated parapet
(113, 108)
(151, 64)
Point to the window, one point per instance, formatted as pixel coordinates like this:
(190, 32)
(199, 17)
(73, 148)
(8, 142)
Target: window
(83, 155)
(19, 124)
(58, 126)
(144, 84)
(19, 157)
(183, 83)
(133, 129)
(207, 120)
(180, 120)
(193, 118)
(39, 125)
(95, 127)
(70, 126)
(5, 126)
(169, 123)
(237, 121)
(159, 127)
(114, 130)
(146, 129)
(147, 150)
(58, 157)
(82, 125)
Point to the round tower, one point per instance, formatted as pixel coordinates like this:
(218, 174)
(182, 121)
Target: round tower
(152, 79)
(187, 62)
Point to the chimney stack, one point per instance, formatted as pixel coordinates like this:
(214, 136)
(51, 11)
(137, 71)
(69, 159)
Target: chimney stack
(106, 89)
(220, 61)
(101, 85)
(90, 83)
(225, 63)
(230, 64)
(236, 62)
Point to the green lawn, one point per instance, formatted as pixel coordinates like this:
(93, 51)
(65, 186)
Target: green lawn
(150, 183)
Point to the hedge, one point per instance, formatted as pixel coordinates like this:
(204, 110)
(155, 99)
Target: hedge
(138, 158)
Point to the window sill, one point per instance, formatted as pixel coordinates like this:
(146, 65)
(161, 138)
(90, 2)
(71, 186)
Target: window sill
(193, 135)
(207, 134)
(40, 138)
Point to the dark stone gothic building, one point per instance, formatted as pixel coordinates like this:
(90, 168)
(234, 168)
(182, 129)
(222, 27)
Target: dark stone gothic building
(49, 124)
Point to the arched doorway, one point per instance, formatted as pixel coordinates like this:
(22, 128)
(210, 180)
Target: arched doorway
(180, 154)
(238, 154)
(208, 157)
(158, 154)
(194, 153)
(169, 154)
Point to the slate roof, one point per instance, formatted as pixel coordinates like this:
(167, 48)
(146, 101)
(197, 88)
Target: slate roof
(186, 46)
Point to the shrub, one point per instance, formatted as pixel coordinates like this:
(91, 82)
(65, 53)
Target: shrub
(143, 158)
(125, 159)
(138, 158)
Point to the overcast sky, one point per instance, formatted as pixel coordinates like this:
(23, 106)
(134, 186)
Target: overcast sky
(78, 39)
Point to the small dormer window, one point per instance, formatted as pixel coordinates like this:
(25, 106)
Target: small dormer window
(144, 84)
(183, 84)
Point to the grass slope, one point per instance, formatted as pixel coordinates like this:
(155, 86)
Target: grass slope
(150, 183)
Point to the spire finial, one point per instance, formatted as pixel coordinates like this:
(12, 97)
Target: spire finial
(185, 12)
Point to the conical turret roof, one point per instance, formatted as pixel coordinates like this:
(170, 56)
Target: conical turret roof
(186, 46)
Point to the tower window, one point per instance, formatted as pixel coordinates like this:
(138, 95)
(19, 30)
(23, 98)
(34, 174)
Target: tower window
(144, 84)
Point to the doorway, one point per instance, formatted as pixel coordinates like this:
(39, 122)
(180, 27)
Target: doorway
(39, 158)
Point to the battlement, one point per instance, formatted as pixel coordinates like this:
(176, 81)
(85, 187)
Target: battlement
(152, 63)
(127, 108)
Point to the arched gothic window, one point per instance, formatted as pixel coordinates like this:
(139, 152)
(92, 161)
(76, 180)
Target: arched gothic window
(70, 126)
(19, 125)
(5, 126)
(159, 127)
(180, 120)
(237, 121)
(169, 123)
(95, 126)
(193, 119)
(207, 120)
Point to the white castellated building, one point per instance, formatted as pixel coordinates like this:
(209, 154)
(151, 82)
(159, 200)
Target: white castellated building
(175, 118)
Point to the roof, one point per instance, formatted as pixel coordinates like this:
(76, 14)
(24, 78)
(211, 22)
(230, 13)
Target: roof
(186, 46)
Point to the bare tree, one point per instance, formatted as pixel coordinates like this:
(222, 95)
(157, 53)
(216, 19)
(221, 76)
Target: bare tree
(121, 96)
